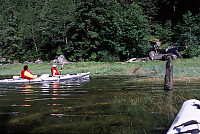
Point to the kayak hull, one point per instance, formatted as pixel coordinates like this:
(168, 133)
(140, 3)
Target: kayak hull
(188, 118)
(79, 75)
(20, 80)
(65, 77)
(45, 77)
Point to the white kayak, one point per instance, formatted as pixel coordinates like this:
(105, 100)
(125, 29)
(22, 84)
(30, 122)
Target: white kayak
(46, 77)
(188, 119)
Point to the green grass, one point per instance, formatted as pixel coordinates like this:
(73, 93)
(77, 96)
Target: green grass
(155, 69)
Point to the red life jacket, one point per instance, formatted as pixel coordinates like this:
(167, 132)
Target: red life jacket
(23, 76)
(52, 69)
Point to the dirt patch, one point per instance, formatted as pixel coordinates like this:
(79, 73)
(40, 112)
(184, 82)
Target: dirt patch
(187, 78)
(136, 69)
(152, 79)
(175, 79)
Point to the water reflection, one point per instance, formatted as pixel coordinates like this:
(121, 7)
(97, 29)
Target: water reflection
(112, 104)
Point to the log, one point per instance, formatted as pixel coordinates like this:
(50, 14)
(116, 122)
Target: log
(169, 74)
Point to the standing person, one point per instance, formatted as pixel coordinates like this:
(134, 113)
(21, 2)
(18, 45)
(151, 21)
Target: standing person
(25, 74)
(54, 70)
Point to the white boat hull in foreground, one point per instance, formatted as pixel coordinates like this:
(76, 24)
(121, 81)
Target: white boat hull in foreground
(45, 77)
(188, 119)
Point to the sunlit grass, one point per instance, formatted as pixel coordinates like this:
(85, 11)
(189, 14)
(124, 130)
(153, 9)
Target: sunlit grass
(152, 69)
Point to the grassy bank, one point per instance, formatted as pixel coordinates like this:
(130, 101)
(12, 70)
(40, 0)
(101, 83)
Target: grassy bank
(152, 69)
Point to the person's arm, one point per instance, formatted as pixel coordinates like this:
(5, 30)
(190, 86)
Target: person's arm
(54, 72)
(30, 75)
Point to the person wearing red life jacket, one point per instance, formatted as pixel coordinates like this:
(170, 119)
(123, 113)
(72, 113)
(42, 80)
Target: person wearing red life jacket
(25, 74)
(54, 71)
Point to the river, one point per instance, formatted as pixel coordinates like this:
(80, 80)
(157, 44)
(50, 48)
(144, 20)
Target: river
(100, 104)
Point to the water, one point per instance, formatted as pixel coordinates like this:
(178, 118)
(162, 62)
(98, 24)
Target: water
(104, 104)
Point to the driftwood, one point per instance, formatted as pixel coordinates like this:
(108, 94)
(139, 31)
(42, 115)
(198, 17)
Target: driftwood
(155, 56)
(169, 74)
(174, 51)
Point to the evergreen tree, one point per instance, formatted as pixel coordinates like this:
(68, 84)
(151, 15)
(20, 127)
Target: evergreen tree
(188, 34)
(10, 38)
(163, 32)
(54, 21)
(85, 31)
(131, 27)
(28, 26)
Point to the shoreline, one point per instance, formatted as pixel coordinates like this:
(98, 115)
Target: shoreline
(184, 69)
(182, 79)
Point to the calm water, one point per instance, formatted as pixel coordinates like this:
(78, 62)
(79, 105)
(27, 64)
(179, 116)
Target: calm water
(104, 104)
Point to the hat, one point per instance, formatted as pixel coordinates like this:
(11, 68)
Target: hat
(54, 65)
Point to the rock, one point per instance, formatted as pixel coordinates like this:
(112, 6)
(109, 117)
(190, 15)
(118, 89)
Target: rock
(152, 54)
(61, 59)
(15, 62)
(55, 61)
(38, 61)
(9, 61)
(26, 62)
(155, 56)
(2, 60)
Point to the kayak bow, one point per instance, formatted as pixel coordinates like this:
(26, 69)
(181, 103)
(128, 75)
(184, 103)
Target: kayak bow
(188, 119)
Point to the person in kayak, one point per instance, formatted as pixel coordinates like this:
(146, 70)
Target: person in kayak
(25, 74)
(55, 71)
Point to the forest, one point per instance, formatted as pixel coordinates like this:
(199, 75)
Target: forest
(96, 30)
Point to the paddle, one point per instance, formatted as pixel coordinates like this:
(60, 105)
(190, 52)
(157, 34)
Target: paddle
(61, 68)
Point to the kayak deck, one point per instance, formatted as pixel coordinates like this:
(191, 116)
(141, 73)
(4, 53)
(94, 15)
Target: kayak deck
(65, 77)
(188, 119)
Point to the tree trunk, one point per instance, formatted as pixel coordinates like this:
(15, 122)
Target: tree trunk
(169, 75)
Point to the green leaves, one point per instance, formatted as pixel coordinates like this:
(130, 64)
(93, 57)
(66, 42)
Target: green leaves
(104, 30)
(188, 34)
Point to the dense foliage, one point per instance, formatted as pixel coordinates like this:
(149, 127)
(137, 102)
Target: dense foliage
(95, 30)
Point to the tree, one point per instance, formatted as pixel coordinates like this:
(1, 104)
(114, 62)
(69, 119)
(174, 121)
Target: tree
(54, 21)
(85, 31)
(10, 38)
(188, 34)
(131, 27)
(163, 32)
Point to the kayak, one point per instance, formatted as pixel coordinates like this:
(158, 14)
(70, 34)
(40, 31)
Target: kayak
(46, 77)
(188, 119)
(20, 80)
